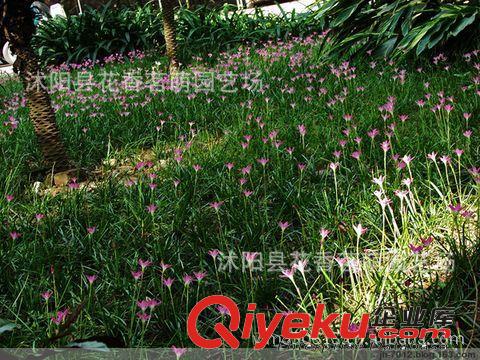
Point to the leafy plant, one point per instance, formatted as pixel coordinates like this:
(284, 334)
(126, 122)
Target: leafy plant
(400, 27)
(6, 326)
(98, 33)
(223, 28)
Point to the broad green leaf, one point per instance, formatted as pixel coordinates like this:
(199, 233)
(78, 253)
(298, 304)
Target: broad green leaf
(387, 47)
(463, 24)
(6, 326)
(93, 345)
(345, 14)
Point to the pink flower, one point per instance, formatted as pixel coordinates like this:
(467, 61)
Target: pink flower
(283, 225)
(458, 152)
(356, 154)
(250, 257)
(467, 133)
(324, 233)
(144, 263)
(216, 205)
(301, 266)
(144, 317)
(263, 161)
(415, 249)
(359, 230)
(153, 303)
(379, 181)
(247, 193)
(164, 266)
(151, 208)
(15, 235)
(373, 133)
(140, 165)
(426, 241)
(143, 305)
(385, 145)
(187, 279)
(277, 144)
(334, 166)
(39, 216)
(432, 156)
(223, 310)
(91, 230)
(455, 208)
(73, 184)
(214, 253)
(288, 273)
(9, 198)
(168, 282)
(448, 108)
(229, 166)
(91, 278)
(200, 275)
(445, 159)
(353, 327)
(246, 170)
(407, 181)
(341, 261)
(178, 351)
(197, 168)
(46, 295)
(407, 159)
(301, 166)
(137, 274)
(302, 130)
(60, 317)
(384, 202)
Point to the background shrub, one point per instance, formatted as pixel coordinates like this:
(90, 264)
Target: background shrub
(100, 32)
(400, 27)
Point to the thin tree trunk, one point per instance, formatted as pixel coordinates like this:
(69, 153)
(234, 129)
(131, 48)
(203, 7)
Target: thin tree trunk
(18, 29)
(168, 11)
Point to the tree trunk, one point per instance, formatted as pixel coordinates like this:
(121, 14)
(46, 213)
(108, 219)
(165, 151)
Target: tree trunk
(18, 29)
(168, 11)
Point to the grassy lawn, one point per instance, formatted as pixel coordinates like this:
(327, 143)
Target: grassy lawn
(367, 170)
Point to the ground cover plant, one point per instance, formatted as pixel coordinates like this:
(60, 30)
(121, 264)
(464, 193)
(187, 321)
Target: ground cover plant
(288, 182)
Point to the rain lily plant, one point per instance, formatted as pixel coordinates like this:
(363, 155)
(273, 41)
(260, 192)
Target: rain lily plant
(296, 182)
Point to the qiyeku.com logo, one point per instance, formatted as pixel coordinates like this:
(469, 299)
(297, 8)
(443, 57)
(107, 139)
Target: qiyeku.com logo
(292, 326)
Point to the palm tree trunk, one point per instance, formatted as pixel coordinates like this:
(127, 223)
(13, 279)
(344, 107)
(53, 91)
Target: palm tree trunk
(17, 27)
(168, 10)
(41, 111)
